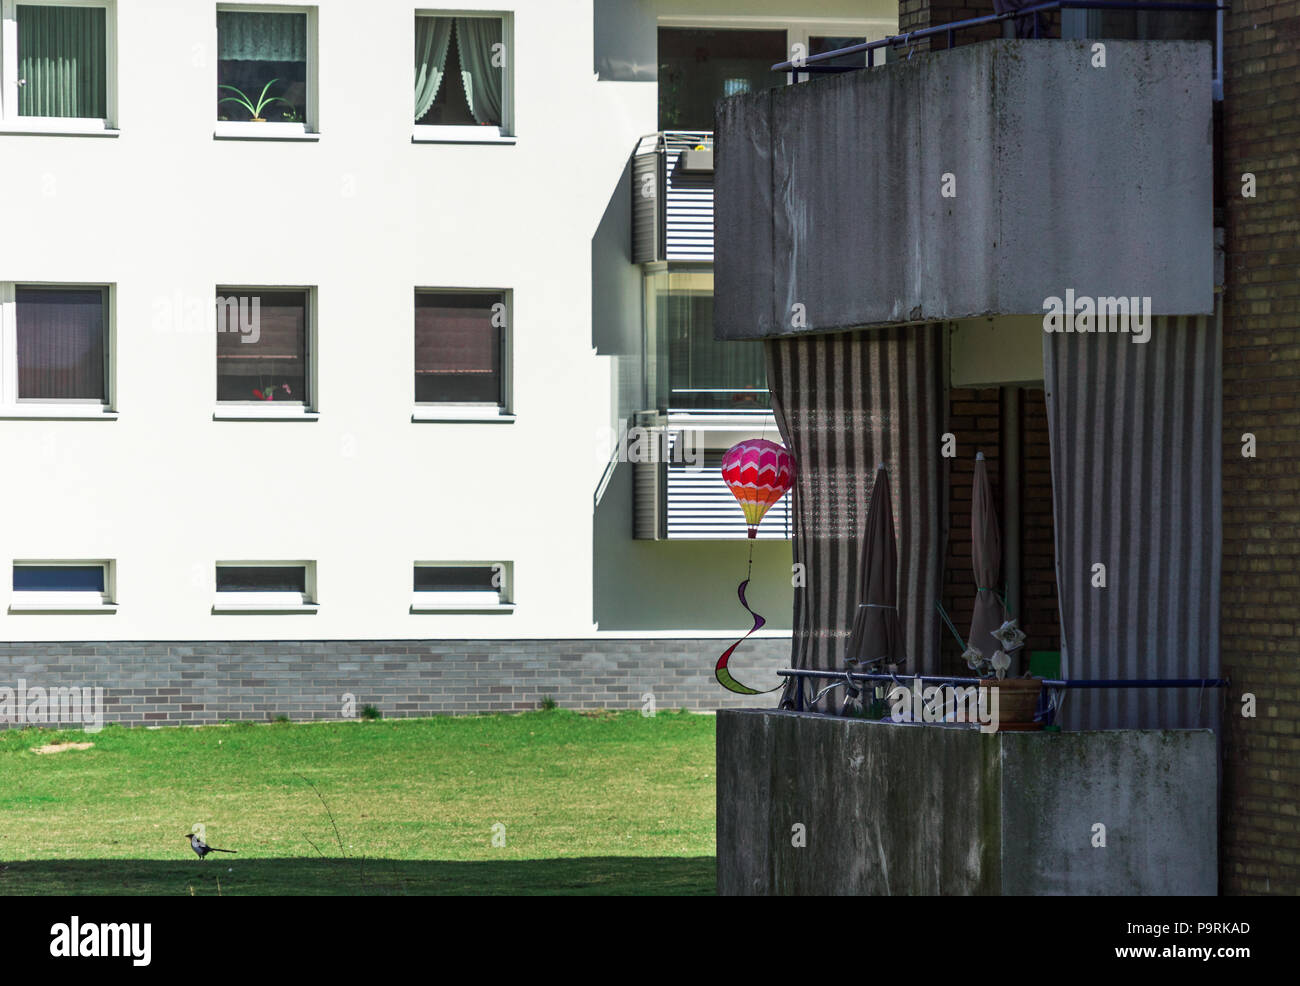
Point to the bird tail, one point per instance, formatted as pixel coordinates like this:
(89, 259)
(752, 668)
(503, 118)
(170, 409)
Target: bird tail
(215, 849)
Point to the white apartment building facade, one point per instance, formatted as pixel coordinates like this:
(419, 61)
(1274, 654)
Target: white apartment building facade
(316, 361)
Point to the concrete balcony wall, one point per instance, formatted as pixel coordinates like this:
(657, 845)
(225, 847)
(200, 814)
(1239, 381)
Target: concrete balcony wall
(890, 809)
(1066, 176)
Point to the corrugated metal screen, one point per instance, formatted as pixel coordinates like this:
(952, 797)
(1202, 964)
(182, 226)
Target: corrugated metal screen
(1136, 471)
(844, 403)
(648, 485)
(647, 216)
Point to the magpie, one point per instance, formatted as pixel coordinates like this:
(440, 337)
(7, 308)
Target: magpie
(202, 848)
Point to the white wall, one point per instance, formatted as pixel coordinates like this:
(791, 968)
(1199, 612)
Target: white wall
(364, 215)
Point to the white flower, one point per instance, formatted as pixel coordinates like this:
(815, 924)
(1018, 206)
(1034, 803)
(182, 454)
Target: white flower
(1001, 662)
(974, 658)
(1010, 636)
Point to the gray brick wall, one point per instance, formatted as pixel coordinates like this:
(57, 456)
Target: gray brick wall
(161, 682)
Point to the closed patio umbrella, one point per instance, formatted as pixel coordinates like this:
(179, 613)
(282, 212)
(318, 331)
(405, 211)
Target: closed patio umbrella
(874, 643)
(986, 560)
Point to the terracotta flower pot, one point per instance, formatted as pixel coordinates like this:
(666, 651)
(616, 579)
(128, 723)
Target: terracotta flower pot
(1017, 702)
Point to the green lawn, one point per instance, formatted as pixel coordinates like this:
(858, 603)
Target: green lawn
(609, 803)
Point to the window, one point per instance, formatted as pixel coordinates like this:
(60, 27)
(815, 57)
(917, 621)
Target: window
(820, 45)
(461, 338)
(62, 586)
(265, 71)
(263, 348)
(280, 587)
(461, 586)
(56, 350)
(687, 369)
(462, 76)
(698, 66)
(61, 77)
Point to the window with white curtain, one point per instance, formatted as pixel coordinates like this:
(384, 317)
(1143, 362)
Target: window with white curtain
(58, 65)
(462, 76)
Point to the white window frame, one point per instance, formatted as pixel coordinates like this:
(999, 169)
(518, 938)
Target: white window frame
(308, 129)
(37, 407)
(255, 410)
(501, 601)
(450, 411)
(22, 601)
(798, 30)
(266, 602)
(10, 121)
(506, 132)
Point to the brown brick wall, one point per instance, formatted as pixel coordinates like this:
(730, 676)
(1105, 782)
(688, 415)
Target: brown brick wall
(1260, 852)
(1040, 614)
(913, 15)
(975, 418)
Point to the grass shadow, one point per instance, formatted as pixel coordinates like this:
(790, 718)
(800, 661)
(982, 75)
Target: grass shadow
(596, 875)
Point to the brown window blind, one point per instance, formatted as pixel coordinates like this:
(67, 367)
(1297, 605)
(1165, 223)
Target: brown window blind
(458, 348)
(61, 343)
(262, 346)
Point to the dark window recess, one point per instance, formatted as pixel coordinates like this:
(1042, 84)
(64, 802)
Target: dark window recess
(58, 578)
(455, 578)
(255, 49)
(458, 346)
(821, 45)
(262, 346)
(261, 578)
(61, 352)
(698, 66)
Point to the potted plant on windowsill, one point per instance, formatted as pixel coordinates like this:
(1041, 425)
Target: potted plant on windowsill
(255, 109)
(1017, 697)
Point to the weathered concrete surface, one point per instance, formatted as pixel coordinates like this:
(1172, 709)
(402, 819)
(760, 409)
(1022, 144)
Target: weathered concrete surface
(891, 809)
(828, 193)
(1154, 791)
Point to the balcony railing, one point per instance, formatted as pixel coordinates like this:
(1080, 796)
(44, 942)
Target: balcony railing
(1071, 27)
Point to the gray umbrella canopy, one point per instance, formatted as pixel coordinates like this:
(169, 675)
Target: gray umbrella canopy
(986, 560)
(874, 642)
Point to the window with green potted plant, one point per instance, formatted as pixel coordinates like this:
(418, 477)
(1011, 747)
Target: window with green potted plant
(262, 67)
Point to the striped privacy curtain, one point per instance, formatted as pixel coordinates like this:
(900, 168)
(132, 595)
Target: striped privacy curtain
(844, 403)
(1135, 436)
(62, 62)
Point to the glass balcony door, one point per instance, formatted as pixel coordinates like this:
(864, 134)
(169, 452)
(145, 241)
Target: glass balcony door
(686, 369)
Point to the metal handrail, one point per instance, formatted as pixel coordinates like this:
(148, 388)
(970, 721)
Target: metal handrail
(848, 677)
(1049, 682)
(812, 63)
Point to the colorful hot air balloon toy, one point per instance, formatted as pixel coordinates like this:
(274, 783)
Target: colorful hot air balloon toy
(758, 473)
